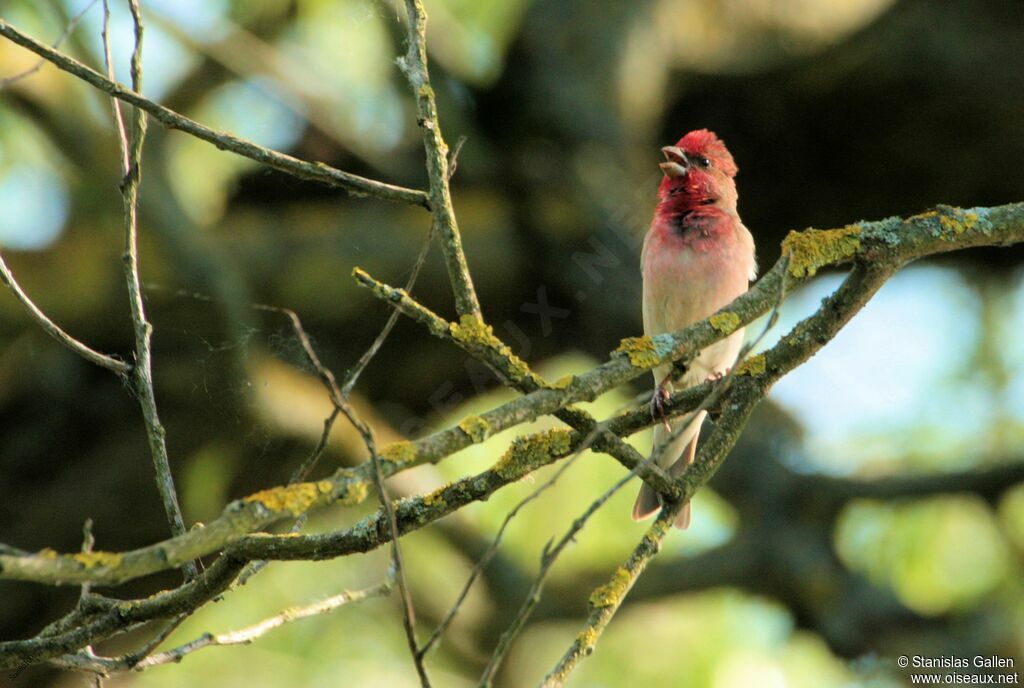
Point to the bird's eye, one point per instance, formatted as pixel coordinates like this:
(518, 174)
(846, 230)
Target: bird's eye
(703, 162)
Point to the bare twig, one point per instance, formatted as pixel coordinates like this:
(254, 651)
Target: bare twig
(68, 30)
(352, 376)
(453, 159)
(547, 560)
(111, 363)
(142, 372)
(311, 171)
(414, 65)
(492, 549)
(339, 399)
(246, 635)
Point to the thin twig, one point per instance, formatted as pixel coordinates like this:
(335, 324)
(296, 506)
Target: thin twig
(453, 159)
(142, 373)
(491, 550)
(111, 363)
(414, 65)
(352, 376)
(547, 560)
(68, 30)
(311, 171)
(339, 399)
(248, 634)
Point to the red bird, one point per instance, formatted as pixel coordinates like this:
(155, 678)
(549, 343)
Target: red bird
(697, 258)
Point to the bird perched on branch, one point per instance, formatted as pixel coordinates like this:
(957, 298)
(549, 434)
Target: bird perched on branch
(697, 258)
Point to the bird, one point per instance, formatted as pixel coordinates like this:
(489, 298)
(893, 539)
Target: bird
(697, 257)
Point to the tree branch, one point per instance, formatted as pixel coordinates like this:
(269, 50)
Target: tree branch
(414, 65)
(142, 372)
(877, 250)
(315, 172)
(111, 363)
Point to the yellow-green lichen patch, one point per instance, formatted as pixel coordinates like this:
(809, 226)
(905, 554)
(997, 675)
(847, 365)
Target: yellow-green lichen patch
(473, 333)
(613, 591)
(527, 453)
(957, 221)
(294, 499)
(47, 553)
(399, 452)
(641, 351)
(476, 428)
(324, 486)
(754, 365)
(435, 497)
(812, 249)
(355, 493)
(726, 322)
(587, 638)
(91, 560)
(563, 382)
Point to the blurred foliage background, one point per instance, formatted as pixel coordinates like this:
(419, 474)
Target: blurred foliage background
(874, 507)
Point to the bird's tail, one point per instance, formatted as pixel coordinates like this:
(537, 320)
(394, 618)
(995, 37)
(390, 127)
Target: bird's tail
(684, 447)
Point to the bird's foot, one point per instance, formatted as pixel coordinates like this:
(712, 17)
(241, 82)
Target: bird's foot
(658, 400)
(718, 375)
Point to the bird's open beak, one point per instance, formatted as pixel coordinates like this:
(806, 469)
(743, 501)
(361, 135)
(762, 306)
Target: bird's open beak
(677, 164)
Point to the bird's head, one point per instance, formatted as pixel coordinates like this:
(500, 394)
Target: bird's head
(699, 170)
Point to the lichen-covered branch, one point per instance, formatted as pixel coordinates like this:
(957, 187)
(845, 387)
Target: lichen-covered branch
(106, 617)
(479, 340)
(131, 143)
(414, 65)
(877, 250)
(316, 172)
(887, 242)
(806, 338)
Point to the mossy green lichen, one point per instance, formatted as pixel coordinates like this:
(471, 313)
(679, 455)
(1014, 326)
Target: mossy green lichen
(526, 453)
(726, 322)
(812, 249)
(613, 591)
(641, 351)
(91, 560)
(476, 428)
(472, 332)
(753, 365)
(294, 499)
(399, 452)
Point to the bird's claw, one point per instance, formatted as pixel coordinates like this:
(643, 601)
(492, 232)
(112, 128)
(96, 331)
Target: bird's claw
(658, 400)
(718, 375)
